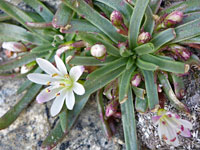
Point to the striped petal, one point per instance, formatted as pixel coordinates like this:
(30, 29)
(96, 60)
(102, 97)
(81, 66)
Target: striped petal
(155, 119)
(78, 88)
(60, 65)
(47, 94)
(58, 103)
(40, 78)
(76, 72)
(47, 66)
(70, 99)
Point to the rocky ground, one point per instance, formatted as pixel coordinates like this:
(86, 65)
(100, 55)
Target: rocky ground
(30, 129)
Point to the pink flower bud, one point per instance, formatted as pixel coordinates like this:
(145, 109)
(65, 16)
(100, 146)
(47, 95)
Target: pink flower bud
(144, 37)
(112, 108)
(98, 50)
(136, 80)
(182, 52)
(116, 18)
(173, 18)
(14, 47)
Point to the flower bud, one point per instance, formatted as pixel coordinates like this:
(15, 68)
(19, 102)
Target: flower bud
(98, 50)
(182, 52)
(116, 18)
(136, 80)
(173, 18)
(14, 46)
(144, 37)
(112, 108)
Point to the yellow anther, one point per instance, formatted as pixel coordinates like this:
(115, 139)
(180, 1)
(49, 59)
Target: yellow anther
(62, 84)
(54, 75)
(47, 90)
(66, 75)
(57, 94)
(48, 83)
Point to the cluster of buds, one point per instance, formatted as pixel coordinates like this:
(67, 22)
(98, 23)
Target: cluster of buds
(136, 80)
(171, 20)
(117, 20)
(180, 51)
(15, 47)
(111, 108)
(98, 51)
(144, 37)
(170, 126)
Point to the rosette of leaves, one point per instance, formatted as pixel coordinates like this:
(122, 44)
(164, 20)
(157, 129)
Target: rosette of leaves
(82, 21)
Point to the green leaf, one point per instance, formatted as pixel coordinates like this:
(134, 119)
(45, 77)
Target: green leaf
(149, 21)
(93, 39)
(10, 116)
(170, 94)
(63, 117)
(141, 105)
(24, 86)
(146, 65)
(190, 17)
(91, 61)
(139, 92)
(19, 61)
(92, 85)
(62, 16)
(96, 19)
(124, 84)
(166, 65)
(195, 40)
(105, 8)
(151, 89)
(155, 5)
(123, 7)
(187, 31)
(17, 33)
(129, 123)
(185, 7)
(41, 9)
(43, 48)
(136, 21)
(57, 133)
(4, 17)
(80, 25)
(144, 49)
(163, 38)
(108, 68)
(100, 104)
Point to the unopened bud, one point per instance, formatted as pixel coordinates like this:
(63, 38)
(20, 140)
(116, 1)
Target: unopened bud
(182, 52)
(144, 37)
(14, 47)
(173, 18)
(116, 18)
(98, 50)
(136, 80)
(112, 108)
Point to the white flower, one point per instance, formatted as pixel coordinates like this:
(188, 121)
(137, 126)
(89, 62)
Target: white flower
(61, 85)
(170, 126)
(14, 46)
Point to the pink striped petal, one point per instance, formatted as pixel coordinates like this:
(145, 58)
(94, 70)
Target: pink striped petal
(155, 119)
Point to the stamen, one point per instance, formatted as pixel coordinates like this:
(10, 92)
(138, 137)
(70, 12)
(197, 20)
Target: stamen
(48, 91)
(177, 116)
(62, 84)
(182, 128)
(57, 94)
(54, 75)
(169, 115)
(179, 132)
(163, 122)
(66, 75)
(174, 139)
(48, 83)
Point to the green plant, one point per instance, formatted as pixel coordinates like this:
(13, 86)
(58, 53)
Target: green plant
(145, 52)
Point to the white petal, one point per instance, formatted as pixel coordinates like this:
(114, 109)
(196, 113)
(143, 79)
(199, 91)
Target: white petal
(39, 78)
(60, 65)
(58, 103)
(185, 123)
(155, 119)
(78, 88)
(76, 72)
(47, 66)
(70, 99)
(47, 94)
